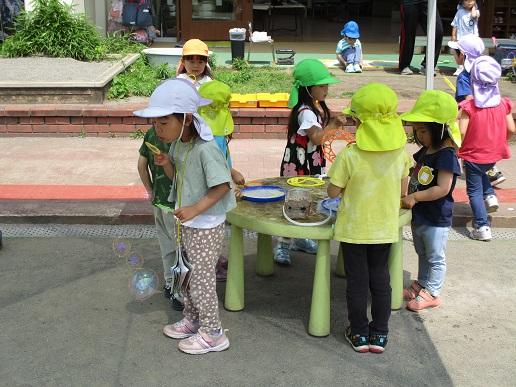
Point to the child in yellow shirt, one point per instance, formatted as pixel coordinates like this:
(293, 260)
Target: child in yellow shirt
(369, 175)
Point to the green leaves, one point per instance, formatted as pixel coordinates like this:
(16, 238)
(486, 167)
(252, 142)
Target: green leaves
(249, 79)
(139, 79)
(52, 29)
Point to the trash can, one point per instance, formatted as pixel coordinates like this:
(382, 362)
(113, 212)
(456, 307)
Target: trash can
(237, 38)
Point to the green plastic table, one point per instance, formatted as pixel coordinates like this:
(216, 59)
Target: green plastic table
(267, 219)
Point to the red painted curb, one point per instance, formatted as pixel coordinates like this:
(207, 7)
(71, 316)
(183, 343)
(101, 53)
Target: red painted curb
(137, 192)
(72, 192)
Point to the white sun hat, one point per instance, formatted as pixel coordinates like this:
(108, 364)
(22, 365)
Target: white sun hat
(177, 96)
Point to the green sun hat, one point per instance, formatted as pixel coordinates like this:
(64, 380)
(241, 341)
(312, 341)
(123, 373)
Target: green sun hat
(217, 114)
(309, 72)
(380, 128)
(436, 106)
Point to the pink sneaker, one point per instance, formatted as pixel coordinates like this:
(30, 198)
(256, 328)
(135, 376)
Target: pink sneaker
(181, 329)
(424, 300)
(204, 343)
(412, 291)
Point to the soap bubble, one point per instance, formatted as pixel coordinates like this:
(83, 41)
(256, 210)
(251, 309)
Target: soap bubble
(143, 284)
(121, 247)
(135, 261)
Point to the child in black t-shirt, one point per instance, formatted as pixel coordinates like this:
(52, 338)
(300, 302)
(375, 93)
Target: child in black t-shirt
(432, 181)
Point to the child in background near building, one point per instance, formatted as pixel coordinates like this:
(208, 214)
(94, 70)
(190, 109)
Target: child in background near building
(219, 119)
(303, 153)
(158, 187)
(194, 63)
(349, 48)
(371, 176)
(433, 179)
(464, 23)
(486, 125)
(202, 196)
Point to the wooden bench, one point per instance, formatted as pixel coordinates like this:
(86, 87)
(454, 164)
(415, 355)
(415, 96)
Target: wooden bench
(420, 43)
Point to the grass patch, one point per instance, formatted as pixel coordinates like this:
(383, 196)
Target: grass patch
(139, 80)
(244, 78)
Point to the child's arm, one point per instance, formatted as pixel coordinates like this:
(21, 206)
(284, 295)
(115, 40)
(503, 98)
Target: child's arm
(510, 126)
(315, 134)
(237, 177)
(463, 123)
(334, 191)
(143, 171)
(444, 183)
(164, 161)
(404, 186)
(213, 196)
(454, 34)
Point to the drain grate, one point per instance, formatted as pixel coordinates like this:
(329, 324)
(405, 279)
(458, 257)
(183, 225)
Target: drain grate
(87, 231)
(149, 231)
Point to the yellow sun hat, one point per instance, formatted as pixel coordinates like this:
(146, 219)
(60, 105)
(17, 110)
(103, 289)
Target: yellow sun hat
(195, 47)
(436, 106)
(380, 128)
(217, 114)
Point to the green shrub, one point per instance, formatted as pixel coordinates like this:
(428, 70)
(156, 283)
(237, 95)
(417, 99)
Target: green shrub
(52, 29)
(139, 80)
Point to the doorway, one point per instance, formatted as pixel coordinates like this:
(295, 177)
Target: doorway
(212, 19)
(166, 11)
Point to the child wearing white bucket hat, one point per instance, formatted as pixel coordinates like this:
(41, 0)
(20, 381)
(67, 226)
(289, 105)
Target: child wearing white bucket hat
(202, 193)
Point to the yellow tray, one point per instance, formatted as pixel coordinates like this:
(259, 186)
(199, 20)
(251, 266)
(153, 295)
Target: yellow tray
(272, 100)
(243, 100)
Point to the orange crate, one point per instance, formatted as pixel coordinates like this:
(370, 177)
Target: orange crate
(272, 100)
(243, 101)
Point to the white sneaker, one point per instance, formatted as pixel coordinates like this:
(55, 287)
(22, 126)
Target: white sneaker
(406, 71)
(350, 68)
(491, 202)
(481, 234)
(423, 71)
(357, 68)
(460, 69)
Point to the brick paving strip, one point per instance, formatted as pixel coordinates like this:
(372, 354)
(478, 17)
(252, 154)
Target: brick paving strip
(122, 192)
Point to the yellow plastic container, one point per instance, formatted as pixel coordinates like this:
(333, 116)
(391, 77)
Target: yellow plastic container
(272, 100)
(243, 101)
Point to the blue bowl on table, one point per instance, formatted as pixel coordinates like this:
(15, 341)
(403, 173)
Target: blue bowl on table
(258, 193)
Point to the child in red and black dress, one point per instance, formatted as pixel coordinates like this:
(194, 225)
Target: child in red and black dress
(303, 153)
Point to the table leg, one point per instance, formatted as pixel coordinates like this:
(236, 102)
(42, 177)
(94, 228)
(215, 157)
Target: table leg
(339, 267)
(234, 299)
(396, 272)
(264, 256)
(319, 324)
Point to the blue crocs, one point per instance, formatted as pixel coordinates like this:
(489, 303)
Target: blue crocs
(307, 245)
(282, 254)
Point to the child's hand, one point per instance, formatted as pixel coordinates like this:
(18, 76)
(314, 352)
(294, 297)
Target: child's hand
(184, 214)
(475, 13)
(237, 177)
(238, 193)
(162, 159)
(408, 201)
